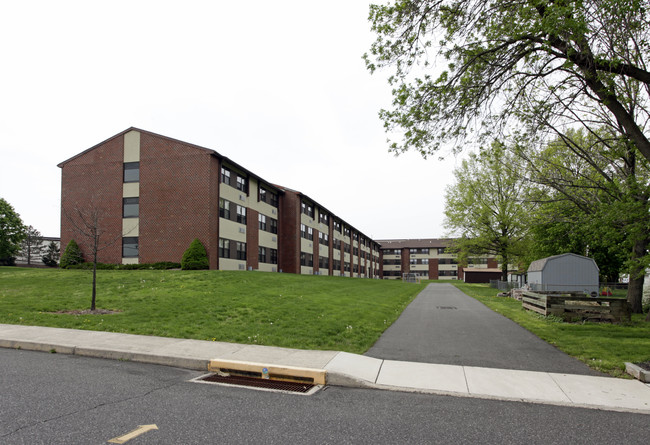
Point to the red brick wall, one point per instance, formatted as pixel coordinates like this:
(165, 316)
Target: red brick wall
(433, 268)
(406, 260)
(178, 199)
(94, 181)
(289, 233)
(252, 239)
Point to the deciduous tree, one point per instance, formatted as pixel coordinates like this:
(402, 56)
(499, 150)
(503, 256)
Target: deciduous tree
(12, 232)
(32, 244)
(488, 207)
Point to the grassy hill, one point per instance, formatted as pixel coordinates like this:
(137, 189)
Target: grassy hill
(310, 312)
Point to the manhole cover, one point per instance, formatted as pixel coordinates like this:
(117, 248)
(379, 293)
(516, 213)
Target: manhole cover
(258, 383)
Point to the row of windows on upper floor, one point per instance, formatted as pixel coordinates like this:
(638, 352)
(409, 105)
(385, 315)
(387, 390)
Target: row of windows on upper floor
(308, 209)
(426, 251)
(132, 174)
(241, 183)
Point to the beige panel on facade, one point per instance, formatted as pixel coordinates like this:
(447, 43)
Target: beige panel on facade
(306, 245)
(304, 270)
(232, 230)
(268, 239)
(129, 261)
(233, 195)
(131, 189)
(132, 146)
(265, 267)
(228, 264)
(130, 226)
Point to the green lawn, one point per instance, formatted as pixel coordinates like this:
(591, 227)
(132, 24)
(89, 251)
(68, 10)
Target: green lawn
(603, 346)
(309, 312)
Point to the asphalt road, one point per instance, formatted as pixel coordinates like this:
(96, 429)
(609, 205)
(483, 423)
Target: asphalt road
(61, 399)
(443, 325)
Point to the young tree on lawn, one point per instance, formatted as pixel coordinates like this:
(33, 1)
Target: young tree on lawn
(12, 232)
(487, 207)
(87, 222)
(32, 244)
(488, 67)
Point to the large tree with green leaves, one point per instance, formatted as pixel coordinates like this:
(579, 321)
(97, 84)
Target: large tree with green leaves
(12, 232)
(595, 181)
(505, 66)
(488, 207)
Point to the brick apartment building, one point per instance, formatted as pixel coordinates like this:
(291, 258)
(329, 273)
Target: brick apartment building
(430, 260)
(155, 194)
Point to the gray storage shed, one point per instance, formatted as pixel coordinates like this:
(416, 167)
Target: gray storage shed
(567, 272)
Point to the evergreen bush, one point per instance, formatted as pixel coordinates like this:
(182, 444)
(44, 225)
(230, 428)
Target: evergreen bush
(71, 255)
(195, 257)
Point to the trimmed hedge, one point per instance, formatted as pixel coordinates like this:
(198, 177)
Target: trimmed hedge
(195, 257)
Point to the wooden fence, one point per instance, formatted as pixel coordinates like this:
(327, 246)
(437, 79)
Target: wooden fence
(576, 306)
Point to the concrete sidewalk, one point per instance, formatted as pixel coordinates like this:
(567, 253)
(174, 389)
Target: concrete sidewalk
(346, 369)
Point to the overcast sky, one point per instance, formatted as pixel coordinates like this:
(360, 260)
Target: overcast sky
(277, 86)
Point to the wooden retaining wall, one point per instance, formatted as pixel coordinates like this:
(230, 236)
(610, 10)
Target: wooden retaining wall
(576, 306)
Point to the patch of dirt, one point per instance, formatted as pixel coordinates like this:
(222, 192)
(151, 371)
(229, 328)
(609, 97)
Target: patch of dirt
(644, 365)
(88, 312)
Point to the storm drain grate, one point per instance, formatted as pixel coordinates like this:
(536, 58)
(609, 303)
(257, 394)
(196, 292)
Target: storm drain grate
(259, 383)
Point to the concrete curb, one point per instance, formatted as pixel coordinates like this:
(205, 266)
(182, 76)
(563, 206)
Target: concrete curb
(637, 372)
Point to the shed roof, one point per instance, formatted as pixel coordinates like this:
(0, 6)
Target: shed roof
(539, 265)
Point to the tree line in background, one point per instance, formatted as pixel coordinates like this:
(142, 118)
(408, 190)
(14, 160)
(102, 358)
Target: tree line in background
(17, 238)
(554, 97)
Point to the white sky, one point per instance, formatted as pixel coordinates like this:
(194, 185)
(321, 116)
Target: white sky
(277, 86)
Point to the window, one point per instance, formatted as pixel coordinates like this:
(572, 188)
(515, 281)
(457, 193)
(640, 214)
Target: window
(242, 184)
(241, 251)
(441, 250)
(323, 218)
(262, 254)
(241, 214)
(425, 261)
(413, 250)
(306, 232)
(424, 251)
(323, 262)
(131, 172)
(337, 226)
(224, 248)
(347, 231)
(355, 251)
(336, 244)
(346, 247)
(224, 208)
(355, 236)
(225, 175)
(323, 238)
(130, 247)
(268, 197)
(274, 256)
(336, 264)
(307, 209)
(306, 259)
(130, 207)
(268, 224)
(346, 267)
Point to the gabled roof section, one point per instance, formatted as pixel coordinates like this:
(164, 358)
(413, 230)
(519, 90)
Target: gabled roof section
(122, 133)
(539, 265)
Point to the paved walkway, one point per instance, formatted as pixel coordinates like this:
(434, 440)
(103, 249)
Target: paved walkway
(345, 369)
(445, 326)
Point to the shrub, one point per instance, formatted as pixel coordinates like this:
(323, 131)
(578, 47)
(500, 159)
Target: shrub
(165, 265)
(71, 255)
(195, 257)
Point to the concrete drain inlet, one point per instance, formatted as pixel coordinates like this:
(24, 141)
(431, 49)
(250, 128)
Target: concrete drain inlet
(269, 378)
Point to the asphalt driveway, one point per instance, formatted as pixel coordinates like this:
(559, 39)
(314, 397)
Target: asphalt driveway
(443, 325)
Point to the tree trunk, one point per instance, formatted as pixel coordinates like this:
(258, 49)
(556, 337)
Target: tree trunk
(92, 304)
(637, 275)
